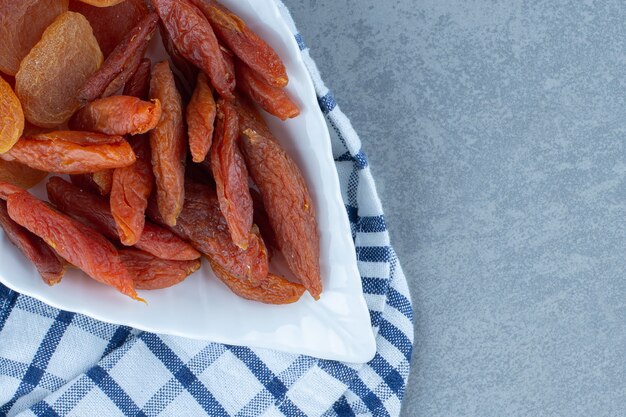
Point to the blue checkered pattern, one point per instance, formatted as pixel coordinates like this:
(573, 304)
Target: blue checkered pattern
(56, 363)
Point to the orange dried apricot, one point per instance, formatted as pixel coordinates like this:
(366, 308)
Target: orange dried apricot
(11, 117)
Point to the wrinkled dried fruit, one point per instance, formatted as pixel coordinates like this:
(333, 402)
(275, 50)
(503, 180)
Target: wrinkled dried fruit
(53, 72)
(184, 67)
(122, 63)
(131, 189)
(139, 83)
(70, 158)
(102, 3)
(263, 222)
(118, 115)
(231, 175)
(200, 118)
(274, 289)
(6, 189)
(250, 118)
(77, 137)
(76, 243)
(95, 209)
(36, 250)
(168, 144)
(194, 38)
(289, 207)
(152, 273)
(202, 223)
(11, 117)
(246, 44)
(125, 16)
(20, 174)
(273, 100)
(21, 25)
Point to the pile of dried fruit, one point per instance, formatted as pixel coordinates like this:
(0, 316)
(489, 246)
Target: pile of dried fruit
(168, 163)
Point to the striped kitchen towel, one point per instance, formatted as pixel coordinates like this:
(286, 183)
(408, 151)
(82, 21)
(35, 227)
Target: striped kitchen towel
(57, 363)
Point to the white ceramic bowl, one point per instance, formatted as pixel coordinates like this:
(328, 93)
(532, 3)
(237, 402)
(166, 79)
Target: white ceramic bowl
(335, 327)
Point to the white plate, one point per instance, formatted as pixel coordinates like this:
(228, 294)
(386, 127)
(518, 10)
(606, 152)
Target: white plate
(336, 327)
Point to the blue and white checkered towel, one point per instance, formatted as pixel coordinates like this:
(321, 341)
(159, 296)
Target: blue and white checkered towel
(56, 363)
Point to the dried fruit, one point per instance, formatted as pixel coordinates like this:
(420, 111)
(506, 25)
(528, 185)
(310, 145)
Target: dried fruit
(11, 117)
(125, 16)
(250, 118)
(6, 189)
(36, 250)
(231, 175)
(273, 100)
(152, 273)
(263, 222)
(202, 223)
(21, 25)
(168, 144)
(77, 137)
(95, 209)
(200, 118)
(274, 289)
(118, 115)
(20, 174)
(194, 39)
(184, 67)
(69, 158)
(122, 63)
(289, 206)
(246, 44)
(52, 73)
(139, 83)
(76, 243)
(102, 3)
(130, 191)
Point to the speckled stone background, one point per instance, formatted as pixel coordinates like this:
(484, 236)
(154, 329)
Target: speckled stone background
(496, 131)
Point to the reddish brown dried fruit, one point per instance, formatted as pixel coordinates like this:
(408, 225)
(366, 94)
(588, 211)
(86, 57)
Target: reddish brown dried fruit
(6, 189)
(250, 118)
(36, 250)
(11, 117)
(139, 83)
(21, 25)
(246, 44)
(152, 273)
(263, 222)
(168, 145)
(194, 38)
(231, 175)
(289, 207)
(202, 223)
(131, 189)
(122, 63)
(77, 137)
(70, 158)
(95, 209)
(273, 100)
(53, 72)
(184, 67)
(20, 174)
(125, 16)
(274, 289)
(76, 243)
(200, 118)
(118, 115)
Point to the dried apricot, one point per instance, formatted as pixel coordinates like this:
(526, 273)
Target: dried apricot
(273, 100)
(289, 206)
(77, 137)
(139, 83)
(184, 67)
(231, 175)
(263, 222)
(11, 117)
(6, 189)
(95, 210)
(118, 115)
(168, 144)
(102, 3)
(274, 289)
(125, 15)
(201, 222)
(152, 273)
(246, 44)
(130, 191)
(250, 118)
(73, 241)
(53, 72)
(122, 63)
(20, 174)
(200, 118)
(69, 158)
(194, 38)
(21, 25)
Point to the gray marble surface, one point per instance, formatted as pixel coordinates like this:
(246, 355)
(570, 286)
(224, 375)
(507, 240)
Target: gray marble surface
(496, 131)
